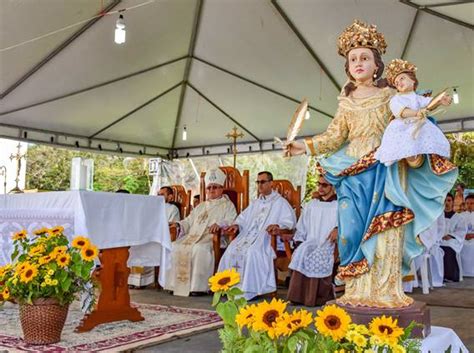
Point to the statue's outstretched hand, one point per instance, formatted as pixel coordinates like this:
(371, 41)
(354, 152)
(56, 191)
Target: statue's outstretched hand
(294, 148)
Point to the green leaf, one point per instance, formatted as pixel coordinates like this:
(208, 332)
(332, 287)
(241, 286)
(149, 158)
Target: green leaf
(14, 254)
(85, 273)
(235, 291)
(66, 284)
(216, 298)
(227, 311)
(62, 275)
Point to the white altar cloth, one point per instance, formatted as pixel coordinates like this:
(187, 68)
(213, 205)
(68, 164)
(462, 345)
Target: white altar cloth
(440, 339)
(109, 220)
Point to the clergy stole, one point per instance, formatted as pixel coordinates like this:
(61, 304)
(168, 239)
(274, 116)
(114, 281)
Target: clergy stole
(206, 214)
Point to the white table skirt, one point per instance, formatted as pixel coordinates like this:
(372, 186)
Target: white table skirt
(440, 339)
(109, 220)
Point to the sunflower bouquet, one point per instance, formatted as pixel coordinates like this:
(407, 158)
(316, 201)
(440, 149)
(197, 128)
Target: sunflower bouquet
(45, 265)
(268, 327)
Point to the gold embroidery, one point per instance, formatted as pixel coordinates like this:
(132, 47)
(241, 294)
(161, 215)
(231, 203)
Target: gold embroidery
(441, 165)
(310, 144)
(354, 269)
(388, 220)
(362, 164)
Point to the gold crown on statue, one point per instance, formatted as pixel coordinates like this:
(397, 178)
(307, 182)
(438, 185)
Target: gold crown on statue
(361, 35)
(396, 67)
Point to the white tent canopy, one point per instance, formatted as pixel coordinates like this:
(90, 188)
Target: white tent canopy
(208, 65)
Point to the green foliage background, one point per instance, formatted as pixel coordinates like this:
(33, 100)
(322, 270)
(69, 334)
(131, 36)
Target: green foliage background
(49, 168)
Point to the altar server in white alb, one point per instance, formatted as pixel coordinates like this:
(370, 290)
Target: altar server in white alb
(172, 211)
(453, 240)
(192, 254)
(467, 252)
(251, 252)
(313, 260)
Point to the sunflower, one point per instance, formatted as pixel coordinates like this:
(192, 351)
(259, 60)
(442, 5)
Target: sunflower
(5, 269)
(36, 250)
(283, 326)
(301, 319)
(5, 295)
(21, 267)
(63, 260)
(55, 231)
(222, 281)
(245, 317)
(89, 253)
(333, 321)
(266, 315)
(58, 250)
(45, 259)
(20, 235)
(80, 242)
(28, 273)
(359, 340)
(386, 328)
(398, 349)
(362, 329)
(41, 231)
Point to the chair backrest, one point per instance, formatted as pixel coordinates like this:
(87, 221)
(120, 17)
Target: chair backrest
(292, 195)
(236, 187)
(183, 198)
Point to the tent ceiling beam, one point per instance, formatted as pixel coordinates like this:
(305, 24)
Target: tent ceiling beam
(437, 14)
(459, 2)
(58, 49)
(447, 126)
(75, 141)
(187, 69)
(305, 44)
(410, 34)
(135, 110)
(223, 112)
(260, 85)
(70, 94)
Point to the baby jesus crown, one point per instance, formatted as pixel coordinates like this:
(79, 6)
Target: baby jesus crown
(396, 67)
(361, 35)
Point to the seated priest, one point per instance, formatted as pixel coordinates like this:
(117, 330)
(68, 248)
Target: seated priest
(172, 211)
(192, 254)
(250, 253)
(453, 240)
(313, 260)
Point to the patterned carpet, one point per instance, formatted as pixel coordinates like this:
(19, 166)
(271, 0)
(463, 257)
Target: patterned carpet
(161, 323)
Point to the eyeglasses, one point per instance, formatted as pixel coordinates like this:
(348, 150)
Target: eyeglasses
(324, 185)
(261, 182)
(213, 187)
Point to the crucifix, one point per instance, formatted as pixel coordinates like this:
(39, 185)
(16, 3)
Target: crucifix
(18, 156)
(234, 135)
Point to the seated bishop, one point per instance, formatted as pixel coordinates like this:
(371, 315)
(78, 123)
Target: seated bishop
(250, 253)
(172, 211)
(192, 254)
(313, 260)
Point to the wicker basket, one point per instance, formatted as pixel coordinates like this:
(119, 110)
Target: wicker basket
(43, 321)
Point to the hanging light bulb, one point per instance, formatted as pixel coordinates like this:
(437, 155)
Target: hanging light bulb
(307, 115)
(455, 96)
(185, 133)
(120, 30)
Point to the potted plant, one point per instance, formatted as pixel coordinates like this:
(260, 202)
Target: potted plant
(46, 274)
(267, 327)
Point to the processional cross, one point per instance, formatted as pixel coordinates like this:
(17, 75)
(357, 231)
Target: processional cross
(18, 156)
(234, 135)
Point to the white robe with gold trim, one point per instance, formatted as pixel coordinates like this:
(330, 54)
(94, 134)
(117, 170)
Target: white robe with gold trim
(192, 255)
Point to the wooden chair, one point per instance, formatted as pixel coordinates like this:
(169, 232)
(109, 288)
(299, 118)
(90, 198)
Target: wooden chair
(236, 187)
(183, 198)
(293, 196)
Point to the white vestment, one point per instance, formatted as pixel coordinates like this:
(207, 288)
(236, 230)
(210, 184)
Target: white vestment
(467, 252)
(172, 212)
(456, 227)
(192, 255)
(251, 252)
(315, 256)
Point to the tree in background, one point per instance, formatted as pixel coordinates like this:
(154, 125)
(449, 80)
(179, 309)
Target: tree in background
(462, 154)
(49, 168)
